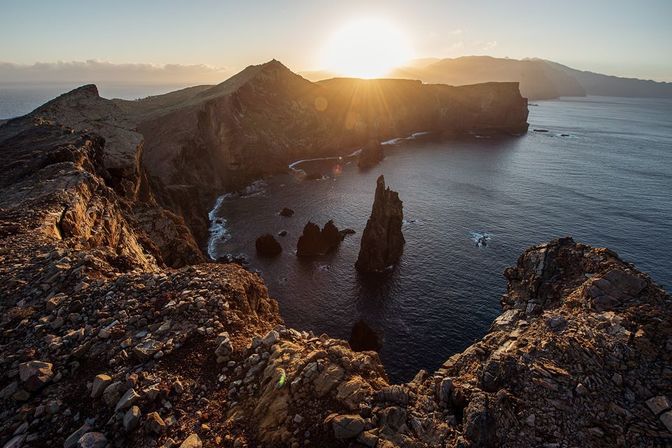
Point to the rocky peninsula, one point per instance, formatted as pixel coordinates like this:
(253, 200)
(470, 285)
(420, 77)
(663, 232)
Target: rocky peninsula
(116, 332)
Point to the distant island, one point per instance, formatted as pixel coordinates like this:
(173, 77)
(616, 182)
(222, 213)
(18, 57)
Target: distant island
(539, 78)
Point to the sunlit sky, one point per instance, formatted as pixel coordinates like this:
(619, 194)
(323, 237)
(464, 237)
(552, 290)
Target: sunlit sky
(631, 38)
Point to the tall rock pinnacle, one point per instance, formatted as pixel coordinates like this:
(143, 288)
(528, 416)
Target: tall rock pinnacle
(382, 240)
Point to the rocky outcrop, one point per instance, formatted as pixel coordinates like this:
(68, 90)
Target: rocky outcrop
(286, 212)
(382, 240)
(314, 242)
(371, 155)
(94, 135)
(268, 246)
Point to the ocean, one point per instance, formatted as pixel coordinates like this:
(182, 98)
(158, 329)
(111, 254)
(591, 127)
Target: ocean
(17, 99)
(601, 173)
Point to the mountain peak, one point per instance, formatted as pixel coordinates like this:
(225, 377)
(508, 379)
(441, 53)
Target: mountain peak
(86, 93)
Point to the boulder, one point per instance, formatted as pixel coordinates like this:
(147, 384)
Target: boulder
(193, 441)
(382, 240)
(155, 423)
(35, 374)
(73, 439)
(92, 440)
(127, 400)
(364, 338)
(100, 382)
(286, 212)
(347, 426)
(132, 419)
(268, 246)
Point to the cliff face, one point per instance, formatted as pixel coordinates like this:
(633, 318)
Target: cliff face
(266, 116)
(78, 122)
(382, 240)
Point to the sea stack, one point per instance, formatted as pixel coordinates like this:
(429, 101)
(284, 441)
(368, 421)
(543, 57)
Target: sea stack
(268, 246)
(382, 240)
(314, 242)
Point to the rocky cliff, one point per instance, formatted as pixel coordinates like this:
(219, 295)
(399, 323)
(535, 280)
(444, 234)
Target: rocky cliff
(106, 339)
(257, 122)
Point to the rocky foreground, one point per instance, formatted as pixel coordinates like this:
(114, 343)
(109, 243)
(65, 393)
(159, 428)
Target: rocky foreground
(115, 332)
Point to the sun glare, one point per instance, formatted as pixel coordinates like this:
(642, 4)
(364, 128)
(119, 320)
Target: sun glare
(366, 48)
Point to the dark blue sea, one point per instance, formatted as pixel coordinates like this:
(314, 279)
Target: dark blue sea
(602, 173)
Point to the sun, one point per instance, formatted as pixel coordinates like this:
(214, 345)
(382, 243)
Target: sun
(366, 48)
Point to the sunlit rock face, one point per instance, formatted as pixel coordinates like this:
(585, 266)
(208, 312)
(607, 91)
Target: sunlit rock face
(382, 240)
(221, 137)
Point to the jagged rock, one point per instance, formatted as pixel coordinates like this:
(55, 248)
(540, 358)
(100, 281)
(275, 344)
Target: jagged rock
(347, 426)
(131, 419)
(155, 423)
(72, 440)
(271, 338)
(146, 349)
(392, 419)
(127, 400)
(353, 392)
(479, 425)
(368, 438)
(658, 404)
(92, 440)
(445, 387)
(382, 240)
(193, 441)
(286, 212)
(35, 374)
(363, 338)
(371, 155)
(15, 442)
(666, 419)
(224, 349)
(314, 242)
(113, 392)
(100, 383)
(268, 246)
(395, 393)
(327, 379)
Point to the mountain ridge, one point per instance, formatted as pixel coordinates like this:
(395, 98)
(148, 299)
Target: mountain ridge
(539, 78)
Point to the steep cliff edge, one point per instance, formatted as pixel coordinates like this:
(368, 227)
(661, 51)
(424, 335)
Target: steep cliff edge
(100, 341)
(215, 139)
(82, 117)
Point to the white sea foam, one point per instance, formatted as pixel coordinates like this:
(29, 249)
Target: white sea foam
(481, 239)
(256, 188)
(218, 231)
(413, 136)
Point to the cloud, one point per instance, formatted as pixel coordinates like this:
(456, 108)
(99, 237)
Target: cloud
(457, 32)
(93, 71)
(489, 45)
